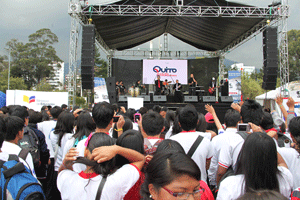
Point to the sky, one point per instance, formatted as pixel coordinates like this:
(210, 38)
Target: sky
(20, 18)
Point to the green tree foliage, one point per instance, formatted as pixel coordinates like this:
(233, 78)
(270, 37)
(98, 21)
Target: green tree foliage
(14, 83)
(251, 87)
(100, 66)
(31, 61)
(80, 101)
(294, 54)
(43, 85)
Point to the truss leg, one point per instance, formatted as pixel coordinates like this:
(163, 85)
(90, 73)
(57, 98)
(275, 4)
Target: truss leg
(73, 59)
(283, 54)
(221, 73)
(109, 72)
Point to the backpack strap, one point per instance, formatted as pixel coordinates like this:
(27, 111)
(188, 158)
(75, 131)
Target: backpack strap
(13, 157)
(100, 188)
(243, 134)
(195, 146)
(23, 154)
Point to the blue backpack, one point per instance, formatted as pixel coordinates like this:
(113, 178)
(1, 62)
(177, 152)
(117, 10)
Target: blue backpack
(17, 182)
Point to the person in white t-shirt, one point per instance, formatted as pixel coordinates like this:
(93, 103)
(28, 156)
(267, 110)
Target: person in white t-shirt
(231, 120)
(99, 157)
(259, 167)
(188, 119)
(14, 133)
(152, 124)
(291, 155)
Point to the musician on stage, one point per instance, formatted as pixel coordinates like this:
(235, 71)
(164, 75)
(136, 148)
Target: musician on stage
(158, 86)
(192, 83)
(122, 88)
(212, 86)
(178, 94)
(117, 88)
(138, 84)
(166, 86)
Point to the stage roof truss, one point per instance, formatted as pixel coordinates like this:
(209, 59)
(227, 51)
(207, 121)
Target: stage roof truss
(184, 11)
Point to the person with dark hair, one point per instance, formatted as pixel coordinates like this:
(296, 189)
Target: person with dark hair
(45, 116)
(263, 195)
(122, 88)
(158, 86)
(143, 110)
(231, 119)
(201, 125)
(166, 172)
(34, 118)
(188, 118)
(14, 133)
(64, 107)
(4, 109)
(259, 167)
(130, 113)
(99, 157)
(169, 145)
(178, 97)
(152, 126)
(134, 140)
(156, 108)
(169, 121)
(163, 111)
(192, 85)
(251, 113)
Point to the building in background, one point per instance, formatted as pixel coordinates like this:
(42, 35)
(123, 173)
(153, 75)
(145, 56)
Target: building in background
(240, 67)
(57, 81)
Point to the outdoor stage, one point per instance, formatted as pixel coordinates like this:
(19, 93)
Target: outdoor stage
(220, 108)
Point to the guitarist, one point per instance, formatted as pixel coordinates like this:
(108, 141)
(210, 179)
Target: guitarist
(212, 86)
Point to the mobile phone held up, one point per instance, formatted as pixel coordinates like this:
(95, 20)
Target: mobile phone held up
(137, 117)
(116, 119)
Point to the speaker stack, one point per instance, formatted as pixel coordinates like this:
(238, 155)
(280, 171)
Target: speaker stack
(111, 89)
(87, 56)
(270, 58)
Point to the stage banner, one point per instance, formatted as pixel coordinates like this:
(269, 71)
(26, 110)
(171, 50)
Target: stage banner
(35, 99)
(234, 85)
(167, 69)
(100, 90)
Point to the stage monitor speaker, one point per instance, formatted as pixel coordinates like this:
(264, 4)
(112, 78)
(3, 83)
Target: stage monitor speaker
(111, 84)
(209, 99)
(226, 99)
(145, 97)
(112, 97)
(159, 98)
(122, 98)
(191, 99)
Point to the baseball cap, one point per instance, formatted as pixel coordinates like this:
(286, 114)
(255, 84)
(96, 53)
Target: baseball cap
(209, 118)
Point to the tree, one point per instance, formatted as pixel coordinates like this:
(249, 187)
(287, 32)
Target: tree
(43, 85)
(251, 87)
(32, 61)
(14, 83)
(100, 66)
(294, 54)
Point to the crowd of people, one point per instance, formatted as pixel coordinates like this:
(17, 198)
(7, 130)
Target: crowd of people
(110, 153)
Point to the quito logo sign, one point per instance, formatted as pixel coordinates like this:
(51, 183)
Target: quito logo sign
(158, 69)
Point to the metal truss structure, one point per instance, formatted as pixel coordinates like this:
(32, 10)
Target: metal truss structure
(273, 15)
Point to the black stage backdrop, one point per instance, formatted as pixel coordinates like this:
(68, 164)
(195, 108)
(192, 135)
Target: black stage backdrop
(132, 70)
(204, 69)
(129, 71)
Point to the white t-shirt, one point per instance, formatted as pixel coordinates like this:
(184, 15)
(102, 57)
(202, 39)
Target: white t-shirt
(54, 140)
(217, 144)
(230, 151)
(292, 159)
(78, 167)
(233, 187)
(11, 148)
(75, 186)
(46, 127)
(202, 153)
(169, 132)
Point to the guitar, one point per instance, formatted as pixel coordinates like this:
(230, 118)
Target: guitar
(211, 90)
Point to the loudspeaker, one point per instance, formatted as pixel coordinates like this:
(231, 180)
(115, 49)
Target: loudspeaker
(159, 98)
(122, 98)
(112, 97)
(87, 56)
(270, 58)
(190, 98)
(111, 84)
(226, 99)
(209, 99)
(145, 97)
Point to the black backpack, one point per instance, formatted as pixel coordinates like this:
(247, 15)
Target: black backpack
(30, 144)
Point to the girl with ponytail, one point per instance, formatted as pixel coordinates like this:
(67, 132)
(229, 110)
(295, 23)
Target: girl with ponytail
(99, 157)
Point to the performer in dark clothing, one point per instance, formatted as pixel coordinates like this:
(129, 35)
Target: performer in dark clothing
(117, 88)
(122, 88)
(178, 93)
(192, 83)
(212, 87)
(158, 86)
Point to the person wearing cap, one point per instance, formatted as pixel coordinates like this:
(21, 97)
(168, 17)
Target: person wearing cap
(212, 85)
